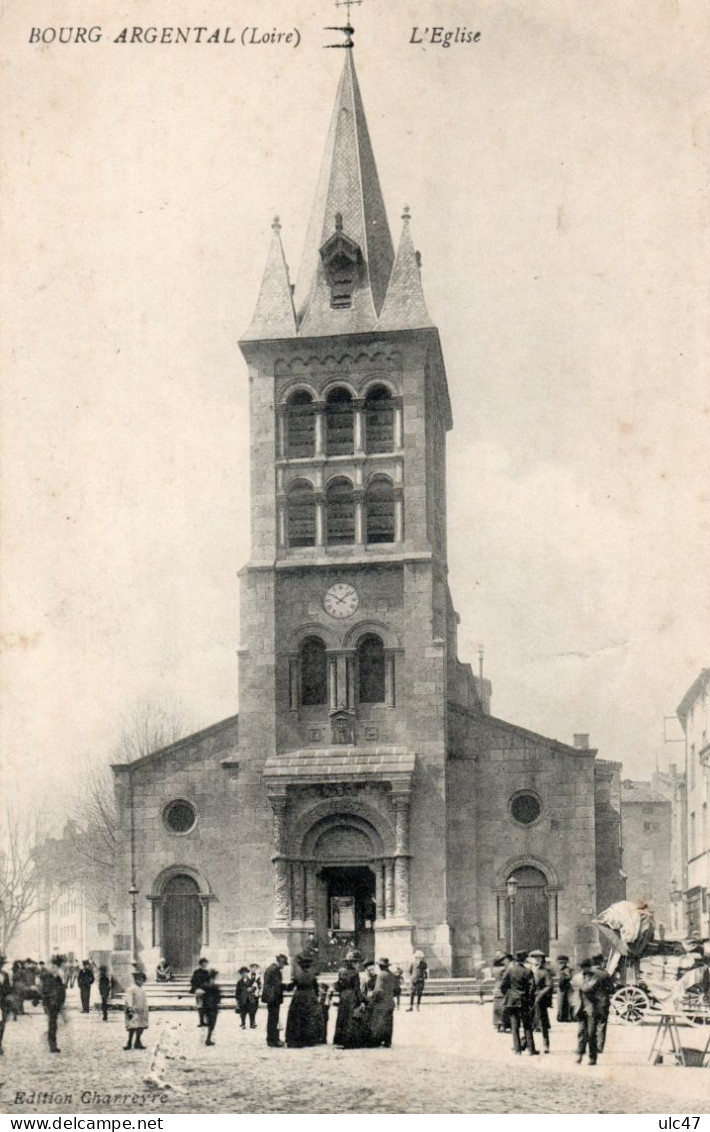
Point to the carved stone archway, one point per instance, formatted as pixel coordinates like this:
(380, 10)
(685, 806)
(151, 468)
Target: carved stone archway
(162, 884)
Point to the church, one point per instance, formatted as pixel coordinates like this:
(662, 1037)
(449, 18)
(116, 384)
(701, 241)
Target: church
(365, 794)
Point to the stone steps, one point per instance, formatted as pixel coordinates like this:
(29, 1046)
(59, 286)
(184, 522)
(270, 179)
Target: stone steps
(175, 995)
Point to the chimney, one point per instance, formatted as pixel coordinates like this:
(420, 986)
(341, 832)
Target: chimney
(581, 742)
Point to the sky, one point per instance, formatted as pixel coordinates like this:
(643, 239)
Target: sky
(556, 172)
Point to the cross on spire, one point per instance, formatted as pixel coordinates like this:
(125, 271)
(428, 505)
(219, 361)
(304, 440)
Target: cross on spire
(347, 4)
(348, 31)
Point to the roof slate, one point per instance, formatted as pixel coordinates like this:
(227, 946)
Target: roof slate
(331, 764)
(349, 185)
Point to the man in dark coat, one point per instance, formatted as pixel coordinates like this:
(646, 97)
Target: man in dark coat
(542, 996)
(55, 994)
(585, 984)
(518, 989)
(272, 995)
(564, 989)
(211, 998)
(198, 982)
(85, 979)
(605, 989)
(246, 994)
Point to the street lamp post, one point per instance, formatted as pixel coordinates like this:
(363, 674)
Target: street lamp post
(511, 888)
(133, 893)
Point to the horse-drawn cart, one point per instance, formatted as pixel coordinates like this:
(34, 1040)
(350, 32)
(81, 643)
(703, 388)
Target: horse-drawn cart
(651, 975)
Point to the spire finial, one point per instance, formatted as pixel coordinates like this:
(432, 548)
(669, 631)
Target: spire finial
(406, 214)
(276, 224)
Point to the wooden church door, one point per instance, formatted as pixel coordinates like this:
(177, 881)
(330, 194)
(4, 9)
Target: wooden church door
(532, 917)
(182, 924)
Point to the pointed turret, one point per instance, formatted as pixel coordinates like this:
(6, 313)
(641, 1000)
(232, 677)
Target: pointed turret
(348, 254)
(274, 316)
(405, 307)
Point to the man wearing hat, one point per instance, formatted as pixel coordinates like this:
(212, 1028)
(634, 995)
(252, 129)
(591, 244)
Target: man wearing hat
(247, 995)
(211, 998)
(584, 987)
(418, 973)
(273, 995)
(542, 980)
(564, 989)
(198, 982)
(605, 989)
(85, 979)
(518, 989)
(382, 1017)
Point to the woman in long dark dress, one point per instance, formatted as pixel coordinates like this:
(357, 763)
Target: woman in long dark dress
(348, 1024)
(304, 1023)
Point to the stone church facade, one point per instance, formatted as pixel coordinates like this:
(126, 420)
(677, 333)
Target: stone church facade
(365, 792)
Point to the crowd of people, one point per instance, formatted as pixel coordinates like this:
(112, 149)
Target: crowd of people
(363, 997)
(39, 983)
(525, 984)
(367, 996)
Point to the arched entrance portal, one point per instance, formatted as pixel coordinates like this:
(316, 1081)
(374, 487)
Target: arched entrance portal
(346, 906)
(530, 911)
(182, 923)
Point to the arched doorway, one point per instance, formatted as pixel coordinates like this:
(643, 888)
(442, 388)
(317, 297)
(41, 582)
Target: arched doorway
(531, 916)
(182, 923)
(346, 906)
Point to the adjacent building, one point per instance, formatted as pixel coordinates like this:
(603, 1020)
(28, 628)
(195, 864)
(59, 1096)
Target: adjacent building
(646, 817)
(693, 714)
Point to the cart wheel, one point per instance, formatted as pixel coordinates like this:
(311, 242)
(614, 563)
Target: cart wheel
(630, 1004)
(695, 1004)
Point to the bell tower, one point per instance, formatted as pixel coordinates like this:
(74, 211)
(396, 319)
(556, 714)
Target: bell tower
(346, 618)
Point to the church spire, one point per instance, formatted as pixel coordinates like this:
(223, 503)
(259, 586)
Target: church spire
(404, 306)
(274, 316)
(348, 254)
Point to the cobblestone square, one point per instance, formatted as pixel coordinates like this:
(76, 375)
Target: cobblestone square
(445, 1059)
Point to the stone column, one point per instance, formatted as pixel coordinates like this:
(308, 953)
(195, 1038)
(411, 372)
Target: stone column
(282, 902)
(401, 888)
(359, 427)
(320, 409)
(204, 901)
(360, 532)
(293, 696)
(282, 897)
(398, 432)
(350, 679)
(298, 909)
(332, 682)
(398, 515)
(281, 443)
(320, 517)
(389, 888)
(380, 889)
(390, 693)
(401, 866)
(281, 511)
(342, 696)
(310, 892)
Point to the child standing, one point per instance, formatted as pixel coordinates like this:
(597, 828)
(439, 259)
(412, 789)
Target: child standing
(136, 1011)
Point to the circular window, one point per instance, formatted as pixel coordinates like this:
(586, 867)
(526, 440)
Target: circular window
(180, 816)
(525, 807)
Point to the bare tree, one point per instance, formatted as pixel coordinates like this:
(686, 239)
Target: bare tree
(21, 876)
(146, 727)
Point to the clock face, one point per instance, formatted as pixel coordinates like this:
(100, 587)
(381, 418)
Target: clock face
(340, 600)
